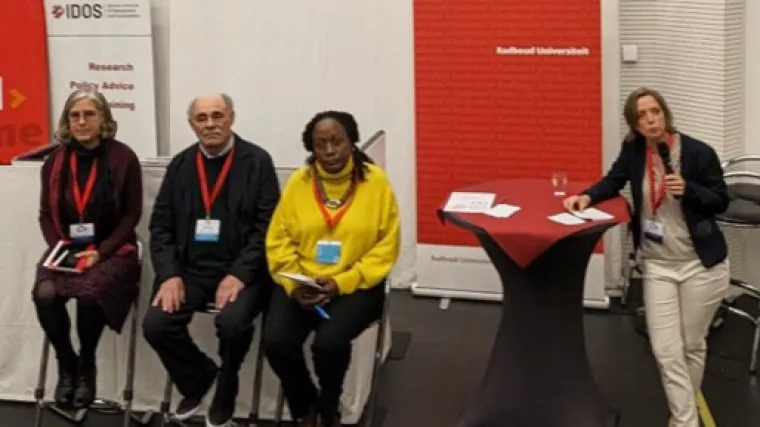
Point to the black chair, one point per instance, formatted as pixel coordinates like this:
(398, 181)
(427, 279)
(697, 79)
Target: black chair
(382, 332)
(167, 417)
(743, 213)
(99, 405)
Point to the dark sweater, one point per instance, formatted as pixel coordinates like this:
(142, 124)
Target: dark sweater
(212, 259)
(253, 195)
(100, 209)
(119, 186)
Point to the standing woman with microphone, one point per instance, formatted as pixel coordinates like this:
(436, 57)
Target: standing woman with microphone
(677, 188)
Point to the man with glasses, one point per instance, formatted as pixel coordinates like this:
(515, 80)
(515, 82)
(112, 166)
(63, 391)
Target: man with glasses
(208, 227)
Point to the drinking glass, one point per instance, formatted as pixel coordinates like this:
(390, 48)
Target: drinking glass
(559, 183)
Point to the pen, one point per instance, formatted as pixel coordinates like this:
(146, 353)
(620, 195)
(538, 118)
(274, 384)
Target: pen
(322, 313)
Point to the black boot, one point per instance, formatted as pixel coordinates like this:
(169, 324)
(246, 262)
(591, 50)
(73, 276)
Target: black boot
(84, 394)
(64, 390)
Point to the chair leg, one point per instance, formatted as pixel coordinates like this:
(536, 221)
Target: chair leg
(130, 380)
(755, 345)
(39, 391)
(756, 339)
(280, 407)
(253, 418)
(129, 387)
(74, 417)
(374, 381)
(166, 403)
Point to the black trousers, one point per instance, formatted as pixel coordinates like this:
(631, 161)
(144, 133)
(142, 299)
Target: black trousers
(54, 319)
(286, 328)
(188, 367)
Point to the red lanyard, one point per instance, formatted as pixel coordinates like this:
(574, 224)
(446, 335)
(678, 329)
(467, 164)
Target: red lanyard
(208, 199)
(332, 221)
(80, 199)
(656, 195)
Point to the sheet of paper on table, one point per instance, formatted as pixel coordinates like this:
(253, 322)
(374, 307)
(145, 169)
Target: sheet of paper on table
(593, 214)
(502, 211)
(566, 219)
(469, 202)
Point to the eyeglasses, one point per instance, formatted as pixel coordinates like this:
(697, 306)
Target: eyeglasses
(79, 115)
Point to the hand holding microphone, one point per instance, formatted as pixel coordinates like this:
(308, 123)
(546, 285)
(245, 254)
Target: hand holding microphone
(673, 182)
(675, 185)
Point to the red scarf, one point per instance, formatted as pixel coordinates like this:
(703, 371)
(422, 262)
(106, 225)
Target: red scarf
(54, 185)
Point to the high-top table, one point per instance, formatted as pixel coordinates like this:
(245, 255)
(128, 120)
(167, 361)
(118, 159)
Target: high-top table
(538, 374)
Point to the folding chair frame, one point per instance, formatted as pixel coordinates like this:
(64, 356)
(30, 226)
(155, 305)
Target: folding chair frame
(167, 417)
(99, 405)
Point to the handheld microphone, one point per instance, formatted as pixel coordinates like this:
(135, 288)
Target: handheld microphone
(664, 151)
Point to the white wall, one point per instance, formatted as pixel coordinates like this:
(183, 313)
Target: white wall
(752, 78)
(752, 123)
(611, 111)
(160, 17)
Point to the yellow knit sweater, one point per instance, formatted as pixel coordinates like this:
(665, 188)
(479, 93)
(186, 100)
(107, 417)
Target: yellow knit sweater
(369, 231)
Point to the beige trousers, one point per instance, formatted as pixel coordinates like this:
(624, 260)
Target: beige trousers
(681, 299)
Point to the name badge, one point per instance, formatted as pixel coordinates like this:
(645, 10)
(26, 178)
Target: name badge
(328, 252)
(654, 231)
(82, 232)
(207, 230)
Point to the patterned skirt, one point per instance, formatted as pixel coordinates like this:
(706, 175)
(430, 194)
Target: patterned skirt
(112, 283)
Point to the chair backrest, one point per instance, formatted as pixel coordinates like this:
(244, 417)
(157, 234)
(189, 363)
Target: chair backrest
(742, 176)
(367, 145)
(744, 168)
(375, 148)
(283, 174)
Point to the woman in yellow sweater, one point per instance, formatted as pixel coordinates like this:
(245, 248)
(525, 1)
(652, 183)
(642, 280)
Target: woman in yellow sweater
(337, 222)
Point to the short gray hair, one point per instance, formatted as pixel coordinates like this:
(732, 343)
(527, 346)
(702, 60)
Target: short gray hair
(107, 129)
(227, 103)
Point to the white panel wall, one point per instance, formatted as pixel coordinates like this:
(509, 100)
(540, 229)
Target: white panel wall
(752, 77)
(752, 122)
(693, 52)
(160, 15)
(610, 11)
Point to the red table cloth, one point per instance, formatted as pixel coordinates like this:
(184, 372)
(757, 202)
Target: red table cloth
(528, 233)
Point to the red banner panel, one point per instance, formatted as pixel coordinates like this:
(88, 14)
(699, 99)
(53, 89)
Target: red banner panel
(504, 89)
(24, 93)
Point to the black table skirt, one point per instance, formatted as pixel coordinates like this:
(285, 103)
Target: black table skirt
(538, 374)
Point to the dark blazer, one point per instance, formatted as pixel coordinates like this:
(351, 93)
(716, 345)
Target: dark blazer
(126, 177)
(705, 195)
(254, 192)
